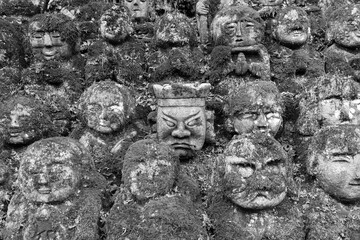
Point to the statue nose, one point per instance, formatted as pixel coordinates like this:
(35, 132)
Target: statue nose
(43, 179)
(238, 30)
(181, 131)
(261, 121)
(14, 121)
(47, 40)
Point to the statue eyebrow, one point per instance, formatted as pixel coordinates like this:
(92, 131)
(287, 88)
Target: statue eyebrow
(190, 116)
(345, 153)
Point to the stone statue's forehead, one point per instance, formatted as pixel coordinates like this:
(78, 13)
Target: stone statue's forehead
(292, 15)
(21, 110)
(105, 97)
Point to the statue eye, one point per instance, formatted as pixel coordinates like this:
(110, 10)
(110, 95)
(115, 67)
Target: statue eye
(38, 35)
(245, 169)
(55, 35)
(272, 115)
(194, 122)
(341, 160)
(169, 123)
(249, 25)
(250, 115)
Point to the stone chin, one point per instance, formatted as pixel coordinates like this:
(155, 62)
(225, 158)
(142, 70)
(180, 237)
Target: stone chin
(258, 202)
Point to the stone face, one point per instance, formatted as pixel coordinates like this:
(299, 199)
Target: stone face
(116, 25)
(59, 193)
(255, 107)
(330, 100)
(342, 28)
(292, 27)
(27, 120)
(150, 169)
(255, 172)
(335, 159)
(139, 9)
(106, 106)
(181, 117)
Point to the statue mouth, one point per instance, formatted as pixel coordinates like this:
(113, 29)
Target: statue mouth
(182, 145)
(354, 183)
(44, 190)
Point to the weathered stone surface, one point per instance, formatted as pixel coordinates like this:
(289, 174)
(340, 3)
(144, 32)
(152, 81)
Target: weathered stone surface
(334, 160)
(59, 193)
(254, 107)
(181, 116)
(254, 177)
(342, 27)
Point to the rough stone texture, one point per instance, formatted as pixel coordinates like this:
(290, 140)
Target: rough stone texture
(250, 202)
(343, 55)
(333, 160)
(254, 106)
(106, 109)
(59, 193)
(291, 54)
(150, 206)
(181, 116)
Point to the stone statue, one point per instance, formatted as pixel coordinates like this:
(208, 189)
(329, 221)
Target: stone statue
(118, 56)
(106, 110)
(181, 116)
(334, 160)
(56, 74)
(254, 178)
(342, 30)
(177, 52)
(59, 193)
(291, 55)
(241, 29)
(204, 18)
(254, 107)
(151, 205)
(25, 120)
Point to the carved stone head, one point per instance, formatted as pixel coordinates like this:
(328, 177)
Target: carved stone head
(150, 169)
(26, 120)
(50, 169)
(343, 26)
(237, 26)
(329, 100)
(255, 171)
(255, 107)
(292, 27)
(174, 29)
(116, 24)
(106, 106)
(53, 37)
(139, 9)
(334, 159)
(181, 117)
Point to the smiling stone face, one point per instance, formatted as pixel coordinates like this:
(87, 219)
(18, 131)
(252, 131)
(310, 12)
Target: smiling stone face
(255, 171)
(52, 37)
(335, 160)
(50, 170)
(292, 27)
(344, 26)
(106, 106)
(237, 26)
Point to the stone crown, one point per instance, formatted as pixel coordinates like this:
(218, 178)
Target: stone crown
(181, 90)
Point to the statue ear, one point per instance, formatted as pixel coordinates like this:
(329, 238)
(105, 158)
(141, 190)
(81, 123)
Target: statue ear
(229, 125)
(274, 23)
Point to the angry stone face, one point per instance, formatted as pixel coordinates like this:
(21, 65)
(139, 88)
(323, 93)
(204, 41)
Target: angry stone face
(255, 171)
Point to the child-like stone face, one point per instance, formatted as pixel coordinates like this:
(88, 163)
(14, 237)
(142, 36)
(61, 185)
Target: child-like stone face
(139, 9)
(263, 114)
(48, 173)
(182, 127)
(293, 28)
(104, 111)
(347, 30)
(20, 128)
(47, 45)
(255, 172)
(337, 165)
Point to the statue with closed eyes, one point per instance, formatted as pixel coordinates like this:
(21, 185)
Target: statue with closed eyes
(333, 160)
(254, 180)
